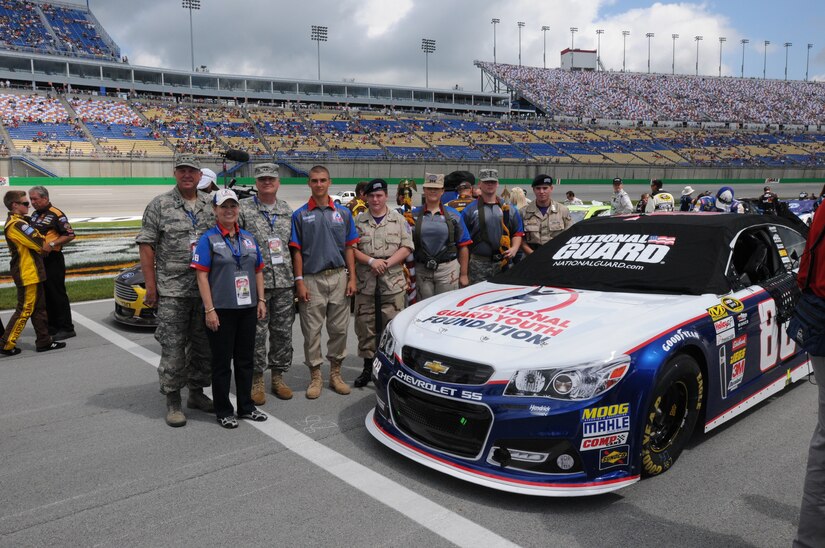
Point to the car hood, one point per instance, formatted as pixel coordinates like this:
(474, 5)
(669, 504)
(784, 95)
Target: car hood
(511, 327)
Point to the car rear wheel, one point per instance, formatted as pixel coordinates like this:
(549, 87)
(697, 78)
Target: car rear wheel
(673, 412)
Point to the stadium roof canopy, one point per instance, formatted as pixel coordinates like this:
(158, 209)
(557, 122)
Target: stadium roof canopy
(46, 70)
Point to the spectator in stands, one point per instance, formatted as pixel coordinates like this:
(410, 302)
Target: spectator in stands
(53, 224)
(571, 199)
(686, 201)
(620, 203)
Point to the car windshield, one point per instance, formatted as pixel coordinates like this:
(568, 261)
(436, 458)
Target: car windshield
(662, 253)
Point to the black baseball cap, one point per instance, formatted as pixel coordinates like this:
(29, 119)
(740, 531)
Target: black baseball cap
(376, 185)
(540, 180)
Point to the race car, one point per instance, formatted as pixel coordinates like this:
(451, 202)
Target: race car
(129, 294)
(581, 212)
(588, 365)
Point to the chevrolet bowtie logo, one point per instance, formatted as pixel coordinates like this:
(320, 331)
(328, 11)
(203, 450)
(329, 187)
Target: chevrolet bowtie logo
(436, 367)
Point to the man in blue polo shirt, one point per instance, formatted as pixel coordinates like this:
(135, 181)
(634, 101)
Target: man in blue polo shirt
(323, 262)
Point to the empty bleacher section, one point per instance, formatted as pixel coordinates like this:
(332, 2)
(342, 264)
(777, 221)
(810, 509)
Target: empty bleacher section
(54, 28)
(635, 96)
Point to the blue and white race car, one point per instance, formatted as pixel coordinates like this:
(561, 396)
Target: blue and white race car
(588, 365)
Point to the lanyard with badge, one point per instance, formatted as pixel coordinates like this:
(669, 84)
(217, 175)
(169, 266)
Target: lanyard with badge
(276, 254)
(243, 295)
(193, 236)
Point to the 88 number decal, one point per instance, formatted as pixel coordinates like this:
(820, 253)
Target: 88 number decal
(774, 343)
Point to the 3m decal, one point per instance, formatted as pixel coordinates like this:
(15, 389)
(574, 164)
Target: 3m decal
(600, 442)
(717, 312)
(615, 456)
(732, 304)
(737, 373)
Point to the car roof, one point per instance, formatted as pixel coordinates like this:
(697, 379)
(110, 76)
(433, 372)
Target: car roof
(671, 253)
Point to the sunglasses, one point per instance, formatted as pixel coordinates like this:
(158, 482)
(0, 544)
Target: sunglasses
(23, 203)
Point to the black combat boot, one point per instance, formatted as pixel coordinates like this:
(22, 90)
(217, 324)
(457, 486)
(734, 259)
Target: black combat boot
(365, 376)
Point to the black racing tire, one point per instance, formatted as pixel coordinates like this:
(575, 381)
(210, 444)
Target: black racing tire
(674, 409)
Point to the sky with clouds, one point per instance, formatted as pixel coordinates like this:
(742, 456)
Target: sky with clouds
(379, 41)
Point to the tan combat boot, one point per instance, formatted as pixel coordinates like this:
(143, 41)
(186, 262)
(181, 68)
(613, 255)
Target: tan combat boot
(315, 382)
(258, 392)
(174, 414)
(198, 400)
(280, 388)
(335, 380)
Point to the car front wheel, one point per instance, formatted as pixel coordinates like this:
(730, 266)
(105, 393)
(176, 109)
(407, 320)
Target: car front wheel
(677, 400)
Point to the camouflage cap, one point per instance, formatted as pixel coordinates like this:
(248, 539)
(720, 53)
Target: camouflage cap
(266, 170)
(187, 160)
(488, 175)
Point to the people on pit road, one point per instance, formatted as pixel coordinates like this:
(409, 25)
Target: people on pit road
(25, 245)
(323, 243)
(384, 243)
(359, 203)
(571, 199)
(451, 182)
(518, 199)
(723, 201)
(811, 278)
(465, 196)
(404, 200)
(660, 200)
(229, 269)
(544, 218)
(209, 181)
(620, 203)
(53, 224)
(768, 201)
(495, 228)
(641, 205)
(686, 200)
(441, 241)
(173, 222)
(269, 220)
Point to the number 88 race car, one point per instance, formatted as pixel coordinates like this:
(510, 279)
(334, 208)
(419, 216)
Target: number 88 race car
(588, 365)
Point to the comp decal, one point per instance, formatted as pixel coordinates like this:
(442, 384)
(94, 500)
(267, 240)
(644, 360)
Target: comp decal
(600, 442)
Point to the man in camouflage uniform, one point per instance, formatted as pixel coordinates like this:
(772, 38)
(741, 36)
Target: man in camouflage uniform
(385, 241)
(172, 224)
(495, 228)
(544, 218)
(270, 221)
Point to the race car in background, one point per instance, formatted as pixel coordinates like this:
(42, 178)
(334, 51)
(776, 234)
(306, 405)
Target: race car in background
(589, 364)
(130, 292)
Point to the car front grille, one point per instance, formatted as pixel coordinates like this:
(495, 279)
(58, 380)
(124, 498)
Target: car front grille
(125, 292)
(445, 369)
(451, 426)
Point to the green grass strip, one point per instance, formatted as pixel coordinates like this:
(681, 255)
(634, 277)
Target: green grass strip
(78, 290)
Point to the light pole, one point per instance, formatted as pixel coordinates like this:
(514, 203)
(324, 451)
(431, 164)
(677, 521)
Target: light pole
(787, 45)
(698, 39)
(319, 34)
(807, 60)
(765, 61)
(544, 30)
(428, 47)
(625, 34)
(191, 5)
(599, 33)
(722, 40)
(673, 59)
(573, 31)
(743, 41)
(649, 35)
(520, 26)
(495, 21)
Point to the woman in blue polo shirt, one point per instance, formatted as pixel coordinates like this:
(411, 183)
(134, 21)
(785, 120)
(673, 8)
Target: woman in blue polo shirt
(230, 279)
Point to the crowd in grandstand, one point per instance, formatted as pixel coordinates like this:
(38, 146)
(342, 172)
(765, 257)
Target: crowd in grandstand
(636, 96)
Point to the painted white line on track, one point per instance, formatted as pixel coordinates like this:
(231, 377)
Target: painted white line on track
(434, 517)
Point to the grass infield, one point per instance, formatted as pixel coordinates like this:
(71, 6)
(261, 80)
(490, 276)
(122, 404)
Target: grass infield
(78, 290)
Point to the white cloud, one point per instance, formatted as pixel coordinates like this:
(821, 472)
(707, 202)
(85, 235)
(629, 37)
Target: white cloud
(379, 16)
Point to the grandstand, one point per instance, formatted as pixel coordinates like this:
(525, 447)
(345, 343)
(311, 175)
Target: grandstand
(68, 99)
